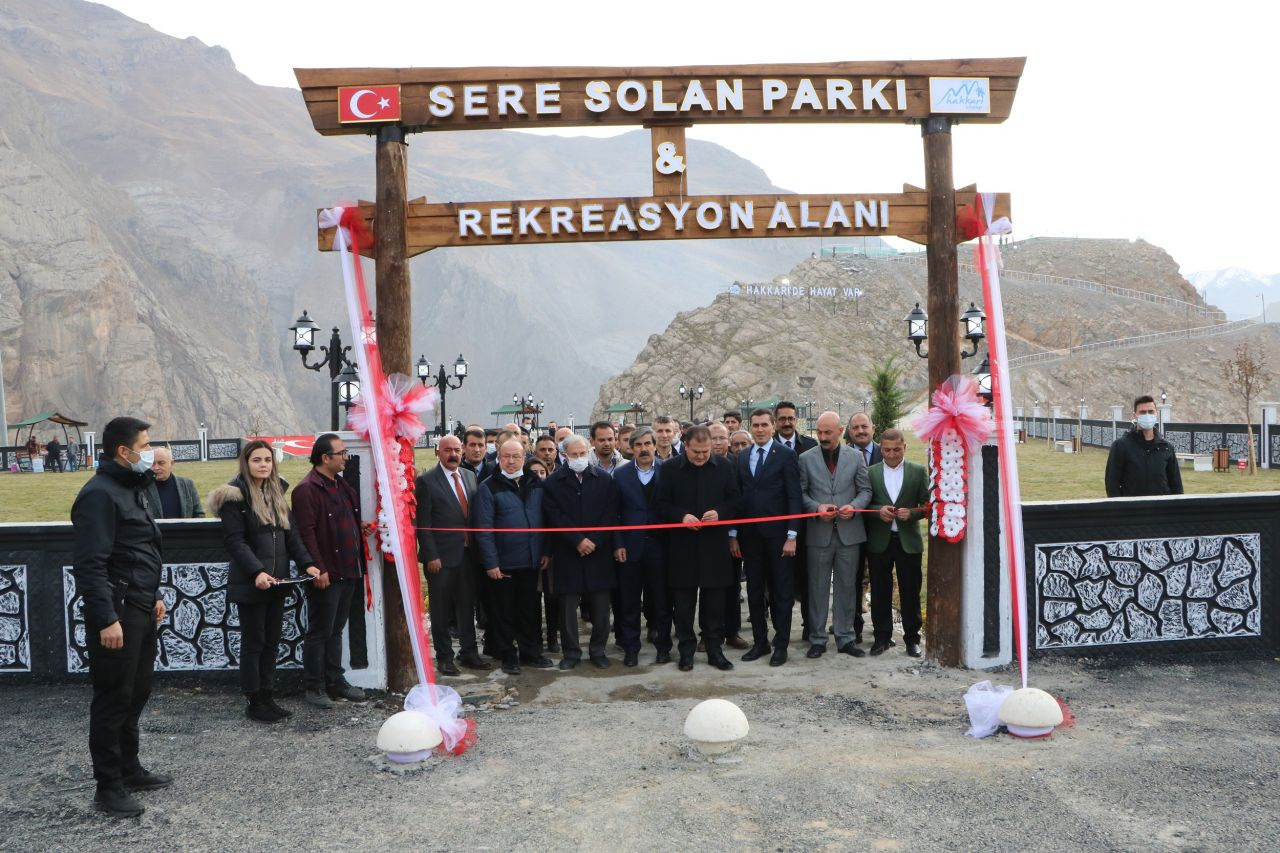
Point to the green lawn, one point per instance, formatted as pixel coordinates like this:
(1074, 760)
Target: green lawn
(48, 497)
(1045, 475)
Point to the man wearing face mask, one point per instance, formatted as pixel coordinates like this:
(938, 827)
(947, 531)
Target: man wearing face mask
(577, 496)
(116, 563)
(1142, 463)
(511, 502)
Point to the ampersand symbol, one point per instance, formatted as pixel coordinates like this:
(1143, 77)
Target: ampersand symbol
(668, 161)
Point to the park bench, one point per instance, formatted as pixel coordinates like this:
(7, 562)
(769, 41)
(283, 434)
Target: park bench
(1198, 461)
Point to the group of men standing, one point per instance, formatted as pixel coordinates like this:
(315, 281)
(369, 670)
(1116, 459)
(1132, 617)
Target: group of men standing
(661, 529)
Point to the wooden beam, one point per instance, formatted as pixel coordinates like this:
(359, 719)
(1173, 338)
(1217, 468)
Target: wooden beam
(664, 89)
(432, 226)
(676, 183)
(394, 317)
(942, 627)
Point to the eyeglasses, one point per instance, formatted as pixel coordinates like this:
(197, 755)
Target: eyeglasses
(343, 453)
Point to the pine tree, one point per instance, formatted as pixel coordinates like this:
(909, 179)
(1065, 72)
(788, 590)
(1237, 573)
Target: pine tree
(887, 396)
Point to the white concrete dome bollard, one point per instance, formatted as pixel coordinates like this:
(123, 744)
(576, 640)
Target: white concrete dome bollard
(715, 726)
(1030, 712)
(408, 737)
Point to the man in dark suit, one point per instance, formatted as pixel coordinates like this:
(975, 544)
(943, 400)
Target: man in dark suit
(579, 495)
(859, 434)
(786, 418)
(643, 568)
(769, 477)
(445, 495)
(899, 491)
(474, 458)
(695, 488)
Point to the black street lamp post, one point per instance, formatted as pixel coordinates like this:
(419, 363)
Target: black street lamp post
(529, 407)
(973, 325)
(443, 381)
(691, 394)
(335, 358)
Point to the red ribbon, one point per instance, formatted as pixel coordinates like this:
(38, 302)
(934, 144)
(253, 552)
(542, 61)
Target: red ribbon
(674, 525)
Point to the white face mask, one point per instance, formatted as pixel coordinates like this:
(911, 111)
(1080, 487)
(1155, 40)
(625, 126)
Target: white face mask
(513, 475)
(578, 465)
(146, 458)
(1146, 421)
(490, 447)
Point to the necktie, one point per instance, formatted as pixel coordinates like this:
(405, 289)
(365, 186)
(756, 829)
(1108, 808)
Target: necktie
(867, 453)
(462, 499)
(789, 447)
(759, 461)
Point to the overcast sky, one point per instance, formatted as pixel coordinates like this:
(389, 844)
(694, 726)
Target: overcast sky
(1133, 119)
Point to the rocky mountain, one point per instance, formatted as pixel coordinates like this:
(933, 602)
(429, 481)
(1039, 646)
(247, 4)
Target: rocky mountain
(1239, 292)
(757, 344)
(157, 214)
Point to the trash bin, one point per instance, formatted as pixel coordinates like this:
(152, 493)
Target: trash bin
(1221, 458)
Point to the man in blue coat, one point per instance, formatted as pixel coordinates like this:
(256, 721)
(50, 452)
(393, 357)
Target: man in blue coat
(643, 564)
(511, 561)
(580, 495)
(769, 477)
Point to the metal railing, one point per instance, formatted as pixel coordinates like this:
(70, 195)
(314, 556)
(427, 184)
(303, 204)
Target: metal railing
(1077, 283)
(1136, 341)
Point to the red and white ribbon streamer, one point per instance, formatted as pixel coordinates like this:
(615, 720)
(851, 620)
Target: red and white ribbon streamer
(987, 260)
(383, 446)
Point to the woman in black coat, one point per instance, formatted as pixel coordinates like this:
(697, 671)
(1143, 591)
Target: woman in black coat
(261, 537)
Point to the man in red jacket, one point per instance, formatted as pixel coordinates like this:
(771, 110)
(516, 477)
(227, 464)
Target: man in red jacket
(327, 509)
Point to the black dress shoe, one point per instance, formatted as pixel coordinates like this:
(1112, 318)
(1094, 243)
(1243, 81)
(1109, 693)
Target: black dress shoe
(662, 657)
(879, 648)
(511, 667)
(474, 661)
(631, 659)
(567, 664)
(721, 663)
(756, 653)
(686, 664)
(913, 649)
(815, 651)
(539, 662)
(115, 801)
(447, 667)
(852, 650)
(778, 658)
(145, 780)
(600, 661)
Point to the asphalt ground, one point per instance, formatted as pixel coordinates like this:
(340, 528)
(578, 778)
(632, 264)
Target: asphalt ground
(843, 754)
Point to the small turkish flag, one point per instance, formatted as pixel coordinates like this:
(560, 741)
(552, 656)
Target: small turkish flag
(368, 103)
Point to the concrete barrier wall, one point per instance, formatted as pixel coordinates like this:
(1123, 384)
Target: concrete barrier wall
(1138, 575)
(42, 627)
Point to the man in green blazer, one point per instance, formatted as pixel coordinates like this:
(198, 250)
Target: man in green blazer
(899, 492)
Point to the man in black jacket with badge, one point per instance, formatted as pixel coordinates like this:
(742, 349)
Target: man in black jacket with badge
(117, 564)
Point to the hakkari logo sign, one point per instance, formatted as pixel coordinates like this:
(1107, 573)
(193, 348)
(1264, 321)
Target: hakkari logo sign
(368, 104)
(960, 95)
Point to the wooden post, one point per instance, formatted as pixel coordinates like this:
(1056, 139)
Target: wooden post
(394, 343)
(677, 182)
(942, 627)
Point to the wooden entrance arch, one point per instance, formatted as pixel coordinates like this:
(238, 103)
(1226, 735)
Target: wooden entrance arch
(392, 102)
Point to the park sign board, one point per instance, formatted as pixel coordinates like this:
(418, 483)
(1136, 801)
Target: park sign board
(501, 223)
(346, 100)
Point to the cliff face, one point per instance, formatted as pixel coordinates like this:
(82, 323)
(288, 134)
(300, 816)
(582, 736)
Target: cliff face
(759, 346)
(157, 214)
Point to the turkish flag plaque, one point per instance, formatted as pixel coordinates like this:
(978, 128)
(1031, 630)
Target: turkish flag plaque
(358, 104)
